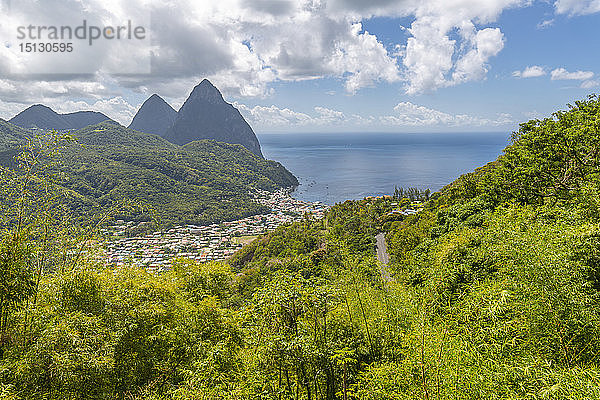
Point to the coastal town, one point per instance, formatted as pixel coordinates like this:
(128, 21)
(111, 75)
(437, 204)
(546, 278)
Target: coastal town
(206, 243)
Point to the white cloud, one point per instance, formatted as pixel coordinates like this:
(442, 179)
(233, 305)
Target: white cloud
(10, 109)
(244, 46)
(447, 48)
(533, 114)
(329, 116)
(114, 56)
(405, 115)
(590, 84)
(530, 72)
(273, 116)
(365, 59)
(577, 7)
(428, 57)
(473, 65)
(558, 74)
(563, 74)
(409, 114)
(116, 108)
(545, 24)
(32, 91)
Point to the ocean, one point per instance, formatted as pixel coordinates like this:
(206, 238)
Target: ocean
(335, 167)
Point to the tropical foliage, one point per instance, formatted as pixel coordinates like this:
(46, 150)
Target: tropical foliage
(493, 292)
(202, 182)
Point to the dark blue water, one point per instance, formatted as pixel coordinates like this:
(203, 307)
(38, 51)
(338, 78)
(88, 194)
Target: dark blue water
(335, 167)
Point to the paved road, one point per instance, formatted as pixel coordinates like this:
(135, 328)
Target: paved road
(383, 257)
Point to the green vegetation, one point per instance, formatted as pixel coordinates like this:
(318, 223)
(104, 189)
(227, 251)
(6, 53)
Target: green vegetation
(414, 194)
(11, 136)
(202, 182)
(495, 293)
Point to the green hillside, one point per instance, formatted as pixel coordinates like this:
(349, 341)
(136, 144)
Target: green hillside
(493, 293)
(203, 182)
(10, 135)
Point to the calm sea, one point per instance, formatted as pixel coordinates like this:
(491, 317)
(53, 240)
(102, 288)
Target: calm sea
(335, 167)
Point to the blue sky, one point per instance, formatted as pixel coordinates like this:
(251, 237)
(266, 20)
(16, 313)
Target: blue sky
(566, 42)
(330, 66)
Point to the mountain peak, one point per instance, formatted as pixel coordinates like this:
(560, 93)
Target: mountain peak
(39, 116)
(154, 116)
(40, 107)
(43, 117)
(207, 91)
(155, 99)
(206, 115)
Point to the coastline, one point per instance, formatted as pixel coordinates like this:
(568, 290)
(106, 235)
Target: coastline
(204, 243)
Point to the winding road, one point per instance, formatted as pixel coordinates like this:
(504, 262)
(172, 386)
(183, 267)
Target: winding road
(383, 257)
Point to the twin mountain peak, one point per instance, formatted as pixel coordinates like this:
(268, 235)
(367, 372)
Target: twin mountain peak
(204, 115)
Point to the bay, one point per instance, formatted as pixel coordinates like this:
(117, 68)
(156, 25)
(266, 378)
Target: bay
(334, 167)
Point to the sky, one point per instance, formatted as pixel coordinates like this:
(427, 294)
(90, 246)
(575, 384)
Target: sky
(314, 65)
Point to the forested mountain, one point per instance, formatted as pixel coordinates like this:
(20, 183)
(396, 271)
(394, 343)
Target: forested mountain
(206, 115)
(81, 119)
(42, 117)
(493, 291)
(154, 116)
(202, 182)
(11, 136)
